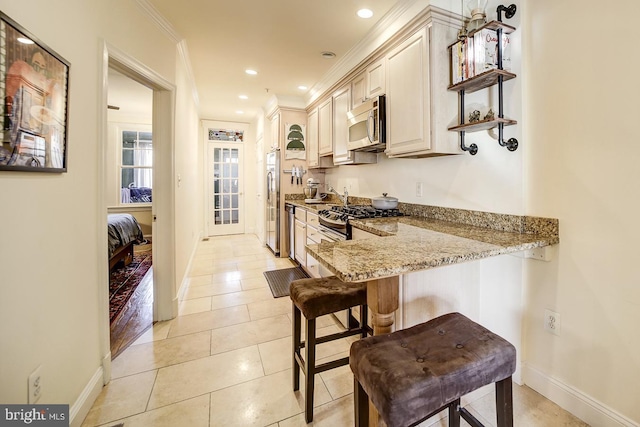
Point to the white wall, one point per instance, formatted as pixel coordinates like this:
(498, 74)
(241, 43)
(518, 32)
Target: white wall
(188, 179)
(581, 163)
(50, 291)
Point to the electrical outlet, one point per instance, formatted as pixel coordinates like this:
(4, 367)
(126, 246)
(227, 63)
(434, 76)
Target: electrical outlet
(418, 189)
(35, 386)
(552, 322)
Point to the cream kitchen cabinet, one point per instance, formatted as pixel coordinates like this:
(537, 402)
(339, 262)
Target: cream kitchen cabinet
(306, 233)
(369, 83)
(325, 128)
(315, 161)
(300, 237)
(341, 103)
(275, 131)
(419, 108)
(312, 139)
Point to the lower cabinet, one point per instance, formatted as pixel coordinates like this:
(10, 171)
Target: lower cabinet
(300, 240)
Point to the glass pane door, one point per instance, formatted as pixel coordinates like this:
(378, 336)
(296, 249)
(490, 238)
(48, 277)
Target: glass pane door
(225, 192)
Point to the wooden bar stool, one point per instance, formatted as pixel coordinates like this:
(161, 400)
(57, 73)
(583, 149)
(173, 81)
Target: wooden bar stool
(314, 298)
(412, 374)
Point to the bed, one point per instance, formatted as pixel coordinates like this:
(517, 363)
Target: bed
(124, 232)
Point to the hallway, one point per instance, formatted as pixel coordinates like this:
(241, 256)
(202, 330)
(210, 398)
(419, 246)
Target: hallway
(226, 359)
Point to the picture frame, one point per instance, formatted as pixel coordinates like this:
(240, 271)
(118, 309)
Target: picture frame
(34, 88)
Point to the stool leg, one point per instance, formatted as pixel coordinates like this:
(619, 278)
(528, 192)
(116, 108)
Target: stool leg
(504, 403)
(296, 334)
(363, 320)
(454, 413)
(310, 369)
(361, 405)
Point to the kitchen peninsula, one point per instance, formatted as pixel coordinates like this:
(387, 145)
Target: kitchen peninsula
(430, 237)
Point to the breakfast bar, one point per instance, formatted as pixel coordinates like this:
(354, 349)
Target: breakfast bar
(409, 244)
(415, 243)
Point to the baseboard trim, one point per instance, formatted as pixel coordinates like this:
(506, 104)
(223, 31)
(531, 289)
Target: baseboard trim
(81, 407)
(581, 405)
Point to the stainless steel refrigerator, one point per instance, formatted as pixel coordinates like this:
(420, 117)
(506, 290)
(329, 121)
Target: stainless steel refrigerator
(273, 201)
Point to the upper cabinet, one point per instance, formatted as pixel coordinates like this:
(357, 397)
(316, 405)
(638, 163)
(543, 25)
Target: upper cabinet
(325, 128)
(275, 131)
(408, 121)
(312, 138)
(341, 103)
(313, 132)
(417, 73)
(369, 83)
(412, 70)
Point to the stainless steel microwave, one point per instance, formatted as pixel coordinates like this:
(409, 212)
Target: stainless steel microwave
(366, 124)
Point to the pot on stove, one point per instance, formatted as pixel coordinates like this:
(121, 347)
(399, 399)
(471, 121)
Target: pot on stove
(384, 202)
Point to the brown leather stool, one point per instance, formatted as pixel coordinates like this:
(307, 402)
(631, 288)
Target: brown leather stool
(314, 298)
(412, 374)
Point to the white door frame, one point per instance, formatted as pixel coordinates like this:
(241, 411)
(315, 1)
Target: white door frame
(165, 305)
(225, 229)
(205, 125)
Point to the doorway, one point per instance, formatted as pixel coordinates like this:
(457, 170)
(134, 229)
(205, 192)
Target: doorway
(162, 223)
(225, 204)
(129, 190)
(224, 144)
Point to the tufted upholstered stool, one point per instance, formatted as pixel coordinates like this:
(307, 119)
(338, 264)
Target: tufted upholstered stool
(314, 298)
(414, 373)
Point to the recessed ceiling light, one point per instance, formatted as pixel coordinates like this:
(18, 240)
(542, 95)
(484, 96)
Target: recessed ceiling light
(24, 40)
(251, 72)
(239, 112)
(243, 97)
(365, 13)
(328, 55)
(302, 87)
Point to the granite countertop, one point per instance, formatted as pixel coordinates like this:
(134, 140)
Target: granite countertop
(309, 206)
(417, 243)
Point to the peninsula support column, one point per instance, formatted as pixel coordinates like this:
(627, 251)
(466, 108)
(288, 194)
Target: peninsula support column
(382, 299)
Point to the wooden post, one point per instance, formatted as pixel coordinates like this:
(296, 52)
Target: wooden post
(383, 301)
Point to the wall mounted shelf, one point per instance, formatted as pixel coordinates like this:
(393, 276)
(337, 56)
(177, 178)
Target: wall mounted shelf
(485, 80)
(483, 125)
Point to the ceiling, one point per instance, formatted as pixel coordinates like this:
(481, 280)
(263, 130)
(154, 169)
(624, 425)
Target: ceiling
(281, 39)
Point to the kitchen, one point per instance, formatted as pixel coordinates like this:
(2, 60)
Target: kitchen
(496, 184)
(576, 162)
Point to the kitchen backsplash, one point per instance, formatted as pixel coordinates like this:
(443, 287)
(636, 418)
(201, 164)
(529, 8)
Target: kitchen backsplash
(495, 221)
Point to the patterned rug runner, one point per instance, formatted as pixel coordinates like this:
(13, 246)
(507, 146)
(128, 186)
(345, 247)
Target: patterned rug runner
(123, 282)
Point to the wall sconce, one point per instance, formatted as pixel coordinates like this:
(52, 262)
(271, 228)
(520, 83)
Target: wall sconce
(478, 17)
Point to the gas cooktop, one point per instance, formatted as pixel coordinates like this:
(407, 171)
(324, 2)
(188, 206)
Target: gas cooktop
(343, 213)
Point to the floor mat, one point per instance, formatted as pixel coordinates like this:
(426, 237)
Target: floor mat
(279, 280)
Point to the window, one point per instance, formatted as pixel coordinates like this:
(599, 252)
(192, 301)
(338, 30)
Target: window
(136, 177)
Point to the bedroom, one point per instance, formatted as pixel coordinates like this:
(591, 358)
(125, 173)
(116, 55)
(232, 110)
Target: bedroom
(129, 201)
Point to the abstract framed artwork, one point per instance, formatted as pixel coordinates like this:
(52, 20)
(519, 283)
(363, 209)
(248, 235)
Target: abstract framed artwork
(34, 83)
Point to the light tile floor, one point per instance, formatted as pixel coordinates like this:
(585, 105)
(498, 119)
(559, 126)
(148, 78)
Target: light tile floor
(226, 359)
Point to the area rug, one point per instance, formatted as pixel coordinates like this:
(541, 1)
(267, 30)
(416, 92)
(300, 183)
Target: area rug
(279, 280)
(123, 281)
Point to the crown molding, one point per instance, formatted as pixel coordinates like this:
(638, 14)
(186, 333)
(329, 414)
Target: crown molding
(186, 60)
(159, 20)
(181, 44)
(403, 19)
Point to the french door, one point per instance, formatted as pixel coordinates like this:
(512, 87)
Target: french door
(225, 205)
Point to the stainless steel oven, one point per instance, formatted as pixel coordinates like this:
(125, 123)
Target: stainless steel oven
(330, 235)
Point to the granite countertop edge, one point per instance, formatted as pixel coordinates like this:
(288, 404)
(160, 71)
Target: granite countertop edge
(430, 237)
